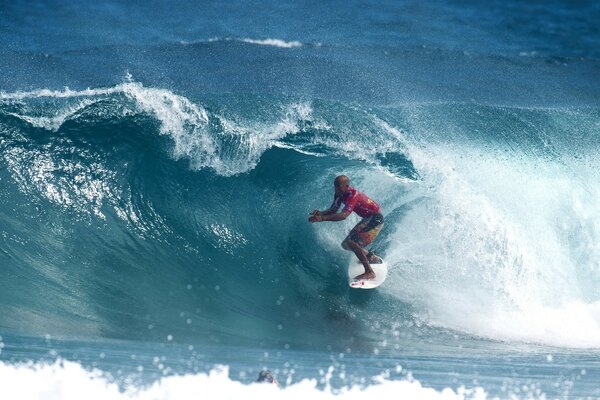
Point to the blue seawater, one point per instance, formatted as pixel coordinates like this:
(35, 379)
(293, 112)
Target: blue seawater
(158, 161)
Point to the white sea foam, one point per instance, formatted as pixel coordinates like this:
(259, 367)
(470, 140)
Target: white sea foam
(69, 380)
(273, 42)
(255, 138)
(503, 246)
(261, 42)
(182, 120)
(80, 187)
(65, 93)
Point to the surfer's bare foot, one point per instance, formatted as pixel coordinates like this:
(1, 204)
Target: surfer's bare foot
(367, 276)
(374, 258)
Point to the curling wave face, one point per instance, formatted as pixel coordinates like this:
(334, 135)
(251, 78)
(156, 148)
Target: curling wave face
(135, 212)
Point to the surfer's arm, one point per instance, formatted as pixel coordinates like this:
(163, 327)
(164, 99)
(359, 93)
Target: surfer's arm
(337, 202)
(328, 211)
(328, 217)
(335, 217)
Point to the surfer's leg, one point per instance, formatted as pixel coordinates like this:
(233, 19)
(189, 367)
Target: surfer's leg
(361, 254)
(354, 242)
(355, 236)
(346, 246)
(361, 236)
(368, 235)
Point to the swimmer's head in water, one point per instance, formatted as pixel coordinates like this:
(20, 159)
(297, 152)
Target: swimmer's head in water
(266, 376)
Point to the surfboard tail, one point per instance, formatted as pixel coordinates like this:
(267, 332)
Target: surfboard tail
(356, 268)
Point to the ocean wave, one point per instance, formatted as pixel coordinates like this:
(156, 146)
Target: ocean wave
(482, 226)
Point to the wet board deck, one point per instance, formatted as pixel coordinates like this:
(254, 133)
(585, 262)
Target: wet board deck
(356, 268)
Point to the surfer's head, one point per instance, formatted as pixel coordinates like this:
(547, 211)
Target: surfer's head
(341, 184)
(266, 376)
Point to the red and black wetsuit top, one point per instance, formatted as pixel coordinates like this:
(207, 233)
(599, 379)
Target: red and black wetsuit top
(356, 201)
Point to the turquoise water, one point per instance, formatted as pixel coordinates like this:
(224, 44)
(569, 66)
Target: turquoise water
(158, 163)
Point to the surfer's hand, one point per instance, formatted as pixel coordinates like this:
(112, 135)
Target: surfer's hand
(315, 212)
(315, 218)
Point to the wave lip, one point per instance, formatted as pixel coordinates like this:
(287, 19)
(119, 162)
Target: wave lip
(207, 139)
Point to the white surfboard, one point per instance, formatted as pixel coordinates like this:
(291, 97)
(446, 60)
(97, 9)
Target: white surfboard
(356, 268)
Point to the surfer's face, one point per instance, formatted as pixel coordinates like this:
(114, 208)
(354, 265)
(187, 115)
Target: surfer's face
(341, 188)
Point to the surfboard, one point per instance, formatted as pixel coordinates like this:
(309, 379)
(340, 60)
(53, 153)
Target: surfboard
(356, 268)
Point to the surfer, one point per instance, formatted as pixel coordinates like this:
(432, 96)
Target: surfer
(266, 376)
(364, 232)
